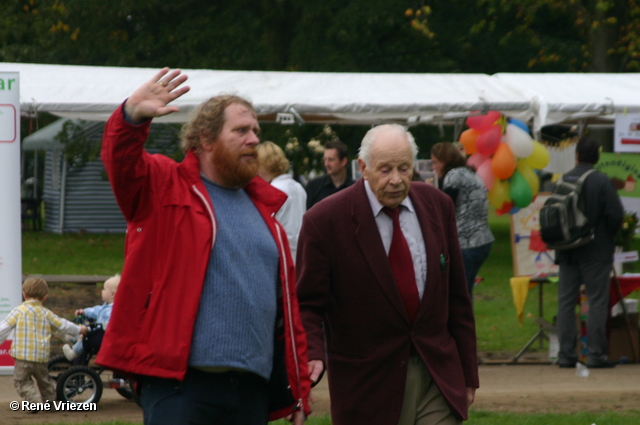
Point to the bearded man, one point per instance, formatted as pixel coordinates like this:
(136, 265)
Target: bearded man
(206, 317)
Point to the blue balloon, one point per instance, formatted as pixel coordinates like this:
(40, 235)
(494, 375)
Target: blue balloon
(519, 123)
(514, 210)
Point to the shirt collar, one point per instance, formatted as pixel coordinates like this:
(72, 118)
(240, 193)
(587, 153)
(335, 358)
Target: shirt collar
(376, 206)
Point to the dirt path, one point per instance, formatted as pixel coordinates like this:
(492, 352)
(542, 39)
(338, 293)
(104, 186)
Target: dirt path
(505, 388)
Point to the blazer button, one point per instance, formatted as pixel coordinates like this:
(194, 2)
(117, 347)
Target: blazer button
(139, 229)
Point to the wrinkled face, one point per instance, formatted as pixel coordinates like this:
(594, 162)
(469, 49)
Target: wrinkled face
(332, 162)
(438, 166)
(235, 158)
(390, 168)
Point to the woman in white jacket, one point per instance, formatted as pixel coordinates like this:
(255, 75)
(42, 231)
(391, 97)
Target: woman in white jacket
(274, 166)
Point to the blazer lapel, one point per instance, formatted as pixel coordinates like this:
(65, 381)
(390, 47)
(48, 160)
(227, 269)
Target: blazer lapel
(368, 238)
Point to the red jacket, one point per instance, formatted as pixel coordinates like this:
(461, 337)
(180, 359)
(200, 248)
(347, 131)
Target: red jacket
(171, 229)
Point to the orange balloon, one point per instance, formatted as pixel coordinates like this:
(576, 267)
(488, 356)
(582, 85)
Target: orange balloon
(468, 140)
(503, 163)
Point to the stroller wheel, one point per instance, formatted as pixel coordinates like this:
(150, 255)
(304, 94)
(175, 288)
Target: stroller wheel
(57, 365)
(79, 384)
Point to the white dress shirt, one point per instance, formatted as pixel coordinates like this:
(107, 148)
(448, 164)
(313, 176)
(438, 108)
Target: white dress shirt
(410, 228)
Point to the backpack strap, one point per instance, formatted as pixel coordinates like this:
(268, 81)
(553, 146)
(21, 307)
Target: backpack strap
(578, 182)
(582, 178)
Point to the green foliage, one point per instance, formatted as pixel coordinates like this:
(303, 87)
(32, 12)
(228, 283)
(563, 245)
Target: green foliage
(627, 230)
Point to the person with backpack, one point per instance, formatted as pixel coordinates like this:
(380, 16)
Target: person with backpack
(589, 264)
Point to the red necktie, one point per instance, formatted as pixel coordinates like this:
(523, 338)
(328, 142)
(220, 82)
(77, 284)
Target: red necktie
(402, 266)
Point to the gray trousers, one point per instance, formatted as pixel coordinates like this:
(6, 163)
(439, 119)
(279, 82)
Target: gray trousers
(596, 277)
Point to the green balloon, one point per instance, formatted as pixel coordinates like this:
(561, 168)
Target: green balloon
(520, 191)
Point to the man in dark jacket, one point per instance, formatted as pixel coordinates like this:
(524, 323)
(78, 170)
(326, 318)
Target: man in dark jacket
(337, 178)
(384, 300)
(589, 264)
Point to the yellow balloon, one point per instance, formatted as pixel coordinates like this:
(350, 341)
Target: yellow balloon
(539, 158)
(499, 193)
(529, 175)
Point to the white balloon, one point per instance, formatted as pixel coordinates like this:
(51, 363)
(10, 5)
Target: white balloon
(519, 141)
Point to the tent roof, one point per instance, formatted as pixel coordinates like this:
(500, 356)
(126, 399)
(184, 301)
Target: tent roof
(92, 93)
(563, 97)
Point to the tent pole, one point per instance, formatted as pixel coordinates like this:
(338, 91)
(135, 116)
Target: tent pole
(63, 189)
(582, 126)
(35, 175)
(457, 128)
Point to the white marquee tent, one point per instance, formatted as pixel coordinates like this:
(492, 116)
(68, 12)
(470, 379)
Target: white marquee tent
(92, 93)
(563, 97)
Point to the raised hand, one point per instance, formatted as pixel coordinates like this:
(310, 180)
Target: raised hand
(151, 99)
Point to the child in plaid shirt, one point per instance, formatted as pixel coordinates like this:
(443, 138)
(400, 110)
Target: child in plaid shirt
(31, 343)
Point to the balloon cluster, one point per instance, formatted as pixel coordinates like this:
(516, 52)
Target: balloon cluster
(505, 157)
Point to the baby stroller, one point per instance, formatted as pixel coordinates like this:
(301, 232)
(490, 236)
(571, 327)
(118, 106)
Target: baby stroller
(81, 380)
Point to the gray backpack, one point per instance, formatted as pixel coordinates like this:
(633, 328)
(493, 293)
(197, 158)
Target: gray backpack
(563, 220)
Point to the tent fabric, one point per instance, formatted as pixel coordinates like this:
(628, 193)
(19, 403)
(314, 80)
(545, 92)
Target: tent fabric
(92, 93)
(563, 97)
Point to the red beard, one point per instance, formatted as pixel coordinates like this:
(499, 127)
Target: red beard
(235, 170)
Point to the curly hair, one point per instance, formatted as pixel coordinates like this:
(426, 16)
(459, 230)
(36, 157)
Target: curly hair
(207, 120)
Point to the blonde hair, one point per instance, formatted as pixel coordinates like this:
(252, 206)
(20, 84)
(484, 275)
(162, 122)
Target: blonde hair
(113, 281)
(35, 287)
(272, 158)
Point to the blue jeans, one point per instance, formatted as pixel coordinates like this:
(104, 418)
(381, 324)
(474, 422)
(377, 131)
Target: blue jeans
(473, 259)
(227, 398)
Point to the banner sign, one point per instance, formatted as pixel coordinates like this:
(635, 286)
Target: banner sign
(529, 253)
(624, 171)
(10, 227)
(627, 133)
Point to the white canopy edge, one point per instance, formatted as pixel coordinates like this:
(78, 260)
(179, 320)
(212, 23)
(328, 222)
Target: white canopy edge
(564, 97)
(93, 93)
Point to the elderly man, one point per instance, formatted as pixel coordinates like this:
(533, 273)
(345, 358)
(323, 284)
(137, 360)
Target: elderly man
(206, 314)
(381, 280)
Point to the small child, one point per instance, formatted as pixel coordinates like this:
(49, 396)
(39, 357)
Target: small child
(31, 343)
(101, 314)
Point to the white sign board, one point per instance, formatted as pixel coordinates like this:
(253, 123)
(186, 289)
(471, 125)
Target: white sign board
(627, 133)
(10, 228)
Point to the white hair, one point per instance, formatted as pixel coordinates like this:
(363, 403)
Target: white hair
(364, 152)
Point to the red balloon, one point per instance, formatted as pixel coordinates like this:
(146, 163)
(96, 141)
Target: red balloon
(481, 122)
(489, 140)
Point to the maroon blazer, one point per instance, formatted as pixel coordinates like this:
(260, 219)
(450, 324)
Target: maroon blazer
(347, 293)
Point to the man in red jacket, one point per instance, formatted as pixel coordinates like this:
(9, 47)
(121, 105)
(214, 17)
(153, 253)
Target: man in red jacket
(207, 316)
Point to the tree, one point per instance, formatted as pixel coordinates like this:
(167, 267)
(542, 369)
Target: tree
(555, 35)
